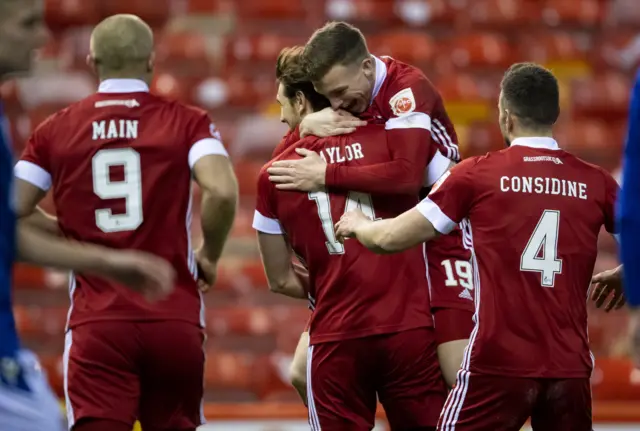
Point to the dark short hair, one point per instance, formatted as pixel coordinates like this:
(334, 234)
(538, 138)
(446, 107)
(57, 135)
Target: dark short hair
(531, 93)
(337, 43)
(291, 74)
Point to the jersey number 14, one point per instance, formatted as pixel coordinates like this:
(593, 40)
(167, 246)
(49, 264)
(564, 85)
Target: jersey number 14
(354, 200)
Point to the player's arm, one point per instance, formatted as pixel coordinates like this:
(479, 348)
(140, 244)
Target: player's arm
(629, 202)
(283, 275)
(214, 174)
(413, 137)
(277, 256)
(43, 221)
(439, 213)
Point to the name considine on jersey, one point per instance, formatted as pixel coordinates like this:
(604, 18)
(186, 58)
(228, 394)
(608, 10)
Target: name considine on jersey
(543, 186)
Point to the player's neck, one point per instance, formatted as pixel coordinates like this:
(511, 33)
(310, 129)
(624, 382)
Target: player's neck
(547, 133)
(139, 76)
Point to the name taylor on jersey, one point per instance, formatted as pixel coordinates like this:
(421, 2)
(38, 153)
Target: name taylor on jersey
(341, 155)
(115, 129)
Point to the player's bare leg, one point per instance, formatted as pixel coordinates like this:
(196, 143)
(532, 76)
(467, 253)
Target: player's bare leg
(298, 369)
(450, 356)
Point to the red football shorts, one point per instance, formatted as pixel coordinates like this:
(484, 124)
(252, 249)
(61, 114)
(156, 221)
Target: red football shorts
(123, 371)
(344, 377)
(501, 403)
(451, 291)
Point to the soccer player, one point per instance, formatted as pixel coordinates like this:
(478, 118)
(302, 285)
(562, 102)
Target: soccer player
(629, 216)
(533, 213)
(383, 89)
(371, 330)
(120, 165)
(26, 401)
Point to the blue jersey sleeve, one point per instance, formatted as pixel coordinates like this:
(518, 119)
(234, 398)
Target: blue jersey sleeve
(629, 202)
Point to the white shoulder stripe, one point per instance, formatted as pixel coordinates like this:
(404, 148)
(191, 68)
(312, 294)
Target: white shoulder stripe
(32, 173)
(265, 224)
(206, 147)
(412, 120)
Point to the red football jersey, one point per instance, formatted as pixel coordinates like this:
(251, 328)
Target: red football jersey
(119, 165)
(355, 292)
(532, 213)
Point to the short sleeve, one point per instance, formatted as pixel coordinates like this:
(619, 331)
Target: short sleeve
(34, 165)
(450, 198)
(264, 217)
(415, 96)
(204, 138)
(611, 195)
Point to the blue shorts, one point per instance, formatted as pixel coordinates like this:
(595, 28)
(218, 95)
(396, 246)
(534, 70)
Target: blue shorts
(27, 403)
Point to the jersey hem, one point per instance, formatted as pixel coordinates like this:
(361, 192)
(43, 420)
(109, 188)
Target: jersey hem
(343, 336)
(531, 374)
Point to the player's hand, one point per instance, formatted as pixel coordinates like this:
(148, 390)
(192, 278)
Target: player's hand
(150, 275)
(349, 223)
(305, 175)
(607, 285)
(207, 271)
(328, 122)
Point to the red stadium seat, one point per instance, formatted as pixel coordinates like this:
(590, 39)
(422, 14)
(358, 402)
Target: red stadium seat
(615, 379)
(67, 13)
(233, 370)
(624, 13)
(412, 47)
(479, 138)
(26, 276)
(617, 50)
(240, 320)
(367, 12)
(604, 96)
(595, 140)
(209, 6)
(481, 50)
(579, 13)
(258, 48)
(271, 10)
(172, 87)
(422, 13)
(247, 173)
(40, 322)
(501, 13)
(154, 12)
(546, 48)
(184, 53)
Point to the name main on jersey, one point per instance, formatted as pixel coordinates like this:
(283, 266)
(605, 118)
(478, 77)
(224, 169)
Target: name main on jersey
(115, 129)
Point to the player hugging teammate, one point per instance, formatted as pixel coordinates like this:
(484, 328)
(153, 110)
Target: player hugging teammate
(405, 143)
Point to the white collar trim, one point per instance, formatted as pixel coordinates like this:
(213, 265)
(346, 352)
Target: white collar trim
(536, 142)
(123, 86)
(381, 75)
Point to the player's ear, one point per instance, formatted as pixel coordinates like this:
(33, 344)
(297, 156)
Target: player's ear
(91, 63)
(151, 63)
(300, 102)
(368, 66)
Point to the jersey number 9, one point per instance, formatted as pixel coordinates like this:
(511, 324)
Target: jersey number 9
(129, 189)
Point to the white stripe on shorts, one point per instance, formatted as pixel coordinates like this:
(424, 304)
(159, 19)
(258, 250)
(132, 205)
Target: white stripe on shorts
(314, 420)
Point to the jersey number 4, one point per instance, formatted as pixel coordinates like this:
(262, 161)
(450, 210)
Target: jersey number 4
(129, 188)
(354, 200)
(541, 253)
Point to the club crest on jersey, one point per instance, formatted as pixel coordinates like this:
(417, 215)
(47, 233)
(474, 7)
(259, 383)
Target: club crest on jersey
(438, 183)
(403, 102)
